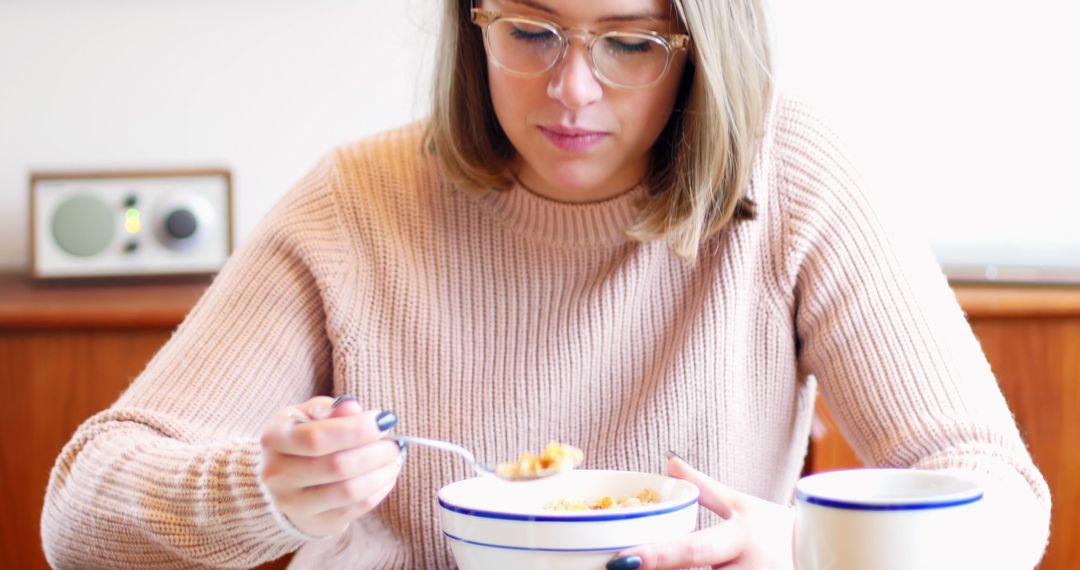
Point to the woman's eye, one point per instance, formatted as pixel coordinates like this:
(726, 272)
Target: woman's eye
(628, 45)
(530, 35)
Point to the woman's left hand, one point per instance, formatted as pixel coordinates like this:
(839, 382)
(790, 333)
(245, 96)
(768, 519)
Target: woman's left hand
(755, 533)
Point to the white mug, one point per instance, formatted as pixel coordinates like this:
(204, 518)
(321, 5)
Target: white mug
(887, 519)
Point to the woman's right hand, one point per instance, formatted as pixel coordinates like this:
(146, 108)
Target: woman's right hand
(324, 473)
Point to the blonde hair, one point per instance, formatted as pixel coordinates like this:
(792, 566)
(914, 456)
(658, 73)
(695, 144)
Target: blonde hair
(701, 161)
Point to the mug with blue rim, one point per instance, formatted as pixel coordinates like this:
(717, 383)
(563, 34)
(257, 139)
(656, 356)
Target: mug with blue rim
(887, 519)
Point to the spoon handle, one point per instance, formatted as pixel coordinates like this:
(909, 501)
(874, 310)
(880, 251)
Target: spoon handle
(438, 444)
(443, 445)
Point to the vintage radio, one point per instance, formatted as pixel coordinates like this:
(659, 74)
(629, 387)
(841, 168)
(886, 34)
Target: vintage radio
(118, 224)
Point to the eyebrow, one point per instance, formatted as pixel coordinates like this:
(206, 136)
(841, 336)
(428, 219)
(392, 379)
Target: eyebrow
(633, 17)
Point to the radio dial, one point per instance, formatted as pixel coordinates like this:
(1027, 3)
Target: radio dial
(183, 222)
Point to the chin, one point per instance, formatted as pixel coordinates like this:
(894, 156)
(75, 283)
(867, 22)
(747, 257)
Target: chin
(577, 172)
(577, 185)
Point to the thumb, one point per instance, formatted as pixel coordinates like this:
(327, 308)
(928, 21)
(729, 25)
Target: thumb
(324, 408)
(345, 405)
(715, 496)
(316, 408)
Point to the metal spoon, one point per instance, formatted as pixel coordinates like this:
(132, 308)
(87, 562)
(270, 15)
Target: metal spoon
(480, 468)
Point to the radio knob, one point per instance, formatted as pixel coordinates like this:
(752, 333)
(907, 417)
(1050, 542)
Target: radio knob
(181, 224)
(183, 221)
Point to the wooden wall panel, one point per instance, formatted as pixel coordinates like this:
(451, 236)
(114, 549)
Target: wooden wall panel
(54, 380)
(1037, 364)
(66, 353)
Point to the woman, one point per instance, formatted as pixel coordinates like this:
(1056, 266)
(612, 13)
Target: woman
(611, 233)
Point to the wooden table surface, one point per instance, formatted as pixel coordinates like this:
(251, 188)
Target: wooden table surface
(1026, 301)
(28, 304)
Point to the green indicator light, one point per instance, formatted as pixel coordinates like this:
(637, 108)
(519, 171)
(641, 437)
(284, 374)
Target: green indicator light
(132, 222)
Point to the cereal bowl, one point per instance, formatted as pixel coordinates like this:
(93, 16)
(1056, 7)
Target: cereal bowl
(491, 523)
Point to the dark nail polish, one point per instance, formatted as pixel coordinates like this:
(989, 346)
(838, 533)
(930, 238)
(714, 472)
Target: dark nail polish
(625, 563)
(386, 420)
(342, 399)
(402, 445)
(672, 455)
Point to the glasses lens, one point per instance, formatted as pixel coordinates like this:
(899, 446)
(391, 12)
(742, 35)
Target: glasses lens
(523, 46)
(630, 60)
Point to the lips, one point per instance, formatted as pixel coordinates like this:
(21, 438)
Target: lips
(573, 139)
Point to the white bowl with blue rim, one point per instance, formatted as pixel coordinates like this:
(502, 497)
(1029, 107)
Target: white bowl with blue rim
(887, 519)
(490, 523)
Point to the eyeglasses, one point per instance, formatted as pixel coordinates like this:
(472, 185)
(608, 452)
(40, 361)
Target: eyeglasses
(627, 59)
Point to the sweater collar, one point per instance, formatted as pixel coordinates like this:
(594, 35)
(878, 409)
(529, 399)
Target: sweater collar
(601, 223)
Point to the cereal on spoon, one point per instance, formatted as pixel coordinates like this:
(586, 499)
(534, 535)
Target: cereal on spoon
(556, 457)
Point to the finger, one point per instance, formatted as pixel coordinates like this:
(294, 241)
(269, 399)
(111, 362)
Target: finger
(330, 435)
(286, 418)
(350, 512)
(717, 545)
(301, 471)
(322, 407)
(715, 496)
(316, 408)
(344, 405)
(358, 490)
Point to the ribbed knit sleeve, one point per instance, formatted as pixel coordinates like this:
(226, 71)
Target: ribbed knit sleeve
(878, 326)
(167, 477)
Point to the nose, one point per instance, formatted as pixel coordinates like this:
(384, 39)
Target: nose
(572, 82)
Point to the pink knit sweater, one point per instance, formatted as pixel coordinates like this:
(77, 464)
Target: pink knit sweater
(506, 320)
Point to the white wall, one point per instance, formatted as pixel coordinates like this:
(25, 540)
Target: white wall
(961, 113)
(263, 87)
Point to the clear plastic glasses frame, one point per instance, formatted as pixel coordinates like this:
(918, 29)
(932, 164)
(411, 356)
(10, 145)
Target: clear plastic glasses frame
(670, 43)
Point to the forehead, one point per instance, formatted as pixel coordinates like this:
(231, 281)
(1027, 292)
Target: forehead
(594, 10)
